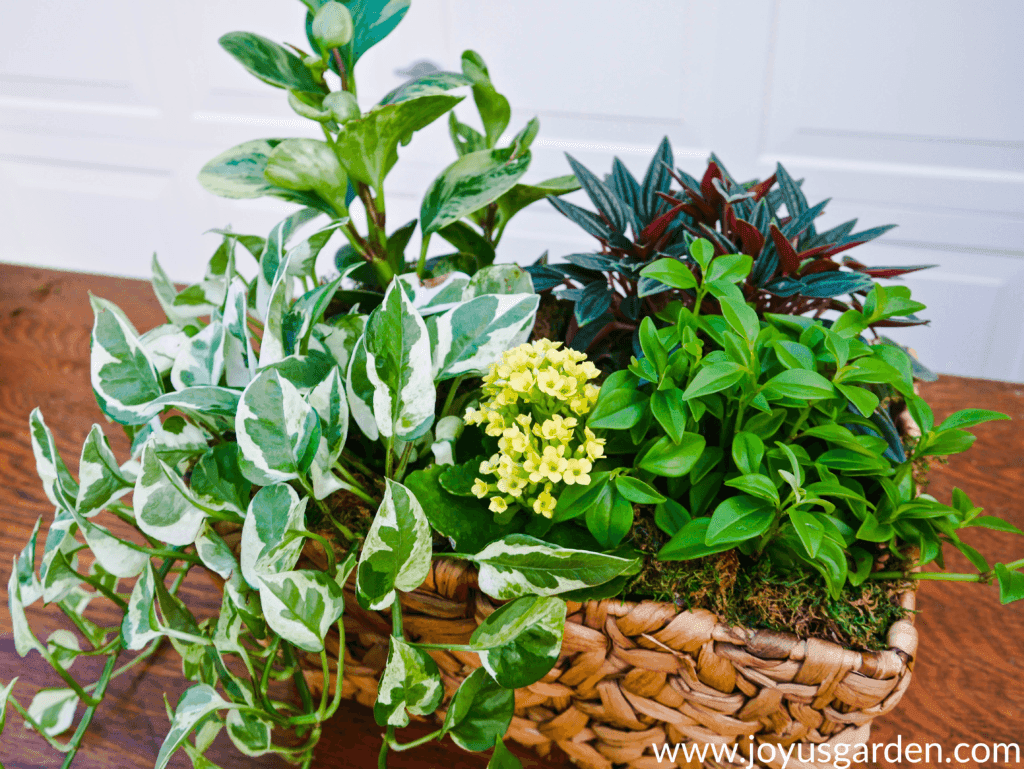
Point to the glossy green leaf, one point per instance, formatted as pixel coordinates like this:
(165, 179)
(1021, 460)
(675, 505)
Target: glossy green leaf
(756, 485)
(308, 165)
(522, 195)
(637, 491)
(970, 418)
(272, 63)
(798, 384)
(1011, 584)
(714, 378)
(669, 409)
(610, 518)
(670, 272)
(738, 519)
(368, 146)
(670, 459)
(494, 108)
(689, 542)
(479, 713)
(470, 183)
(618, 409)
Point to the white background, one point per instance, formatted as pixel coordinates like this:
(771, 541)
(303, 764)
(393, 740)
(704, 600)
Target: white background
(908, 112)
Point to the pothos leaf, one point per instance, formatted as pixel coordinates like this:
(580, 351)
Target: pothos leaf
(410, 684)
(195, 704)
(301, 606)
(397, 549)
(522, 640)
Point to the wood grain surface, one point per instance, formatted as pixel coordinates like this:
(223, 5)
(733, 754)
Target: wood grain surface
(969, 679)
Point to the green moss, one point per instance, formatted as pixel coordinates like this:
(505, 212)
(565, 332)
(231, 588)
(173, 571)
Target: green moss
(756, 594)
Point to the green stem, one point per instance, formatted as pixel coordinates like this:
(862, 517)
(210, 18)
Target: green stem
(929, 575)
(341, 667)
(396, 632)
(403, 462)
(297, 676)
(399, 746)
(265, 676)
(144, 655)
(55, 744)
(451, 395)
(389, 460)
(332, 562)
(421, 267)
(100, 587)
(83, 725)
(359, 465)
(354, 485)
(1015, 564)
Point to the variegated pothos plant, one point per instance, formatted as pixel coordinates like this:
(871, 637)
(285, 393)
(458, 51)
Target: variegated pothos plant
(253, 421)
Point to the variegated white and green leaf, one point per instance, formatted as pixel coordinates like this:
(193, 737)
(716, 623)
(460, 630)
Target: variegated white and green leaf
(175, 440)
(446, 434)
(274, 253)
(57, 566)
(163, 344)
(331, 406)
(61, 489)
(410, 683)
(521, 640)
(53, 710)
(437, 294)
(208, 400)
(239, 357)
(360, 391)
(25, 569)
(273, 345)
(207, 296)
(124, 376)
(249, 732)
(24, 639)
(398, 367)
(153, 612)
(217, 482)
(116, 556)
(166, 293)
(165, 508)
(269, 542)
(304, 254)
(100, 478)
(307, 310)
(498, 279)
(277, 431)
(63, 647)
(195, 704)
(479, 712)
(339, 336)
(470, 337)
(301, 606)
(519, 565)
(397, 550)
(5, 693)
(201, 359)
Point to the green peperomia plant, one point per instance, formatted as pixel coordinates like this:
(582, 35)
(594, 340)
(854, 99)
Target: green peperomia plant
(470, 202)
(251, 421)
(768, 436)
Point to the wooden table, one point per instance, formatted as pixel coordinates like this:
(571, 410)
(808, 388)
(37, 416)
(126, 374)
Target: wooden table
(968, 685)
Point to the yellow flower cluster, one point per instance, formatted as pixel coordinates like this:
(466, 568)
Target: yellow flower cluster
(534, 404)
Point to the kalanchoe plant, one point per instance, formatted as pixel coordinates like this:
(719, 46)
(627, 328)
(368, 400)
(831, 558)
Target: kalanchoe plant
(793, 272)
(469, 204)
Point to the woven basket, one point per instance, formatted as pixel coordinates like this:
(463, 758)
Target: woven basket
(635, 675)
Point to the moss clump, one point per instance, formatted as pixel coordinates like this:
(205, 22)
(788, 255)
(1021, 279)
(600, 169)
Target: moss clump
(756, 594)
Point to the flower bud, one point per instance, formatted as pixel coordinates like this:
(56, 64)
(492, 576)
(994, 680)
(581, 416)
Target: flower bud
(342, 105)
(332, 25)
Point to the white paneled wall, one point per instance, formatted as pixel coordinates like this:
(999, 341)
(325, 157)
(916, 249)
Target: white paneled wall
(906, 112)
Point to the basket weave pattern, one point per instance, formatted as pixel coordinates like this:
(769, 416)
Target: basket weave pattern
(633, 675)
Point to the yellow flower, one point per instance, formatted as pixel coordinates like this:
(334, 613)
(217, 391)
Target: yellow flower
(553, 464)
(549, 380)
(480, 489)
(521, 381)
(532, 465)
(576, 471)
(498, 505)
(544, 504)
(513, 439)
(512, 484)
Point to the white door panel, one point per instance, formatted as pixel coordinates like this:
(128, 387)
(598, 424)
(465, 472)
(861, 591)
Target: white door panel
(900, 112)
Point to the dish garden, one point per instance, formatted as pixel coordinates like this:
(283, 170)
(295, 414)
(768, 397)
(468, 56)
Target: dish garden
(672, 490)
